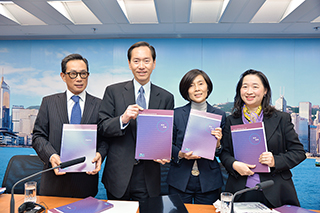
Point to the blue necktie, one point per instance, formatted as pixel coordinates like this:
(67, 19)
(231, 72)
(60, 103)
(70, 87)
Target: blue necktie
(141, 101)
(76, 111)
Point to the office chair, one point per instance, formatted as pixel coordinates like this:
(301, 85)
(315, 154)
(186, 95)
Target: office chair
(21, 166)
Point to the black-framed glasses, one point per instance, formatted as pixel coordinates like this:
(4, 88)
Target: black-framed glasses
(74, 75)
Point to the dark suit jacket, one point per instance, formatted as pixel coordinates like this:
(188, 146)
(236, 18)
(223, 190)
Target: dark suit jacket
(287, 151)
(180, 170)
(121, 151)
(46, 141)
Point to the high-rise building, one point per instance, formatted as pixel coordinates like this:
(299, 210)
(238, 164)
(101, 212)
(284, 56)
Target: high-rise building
(305, 111)
(317, 119)
(303, 132)
(4, 104)
(281, 104)
(313, 139)
(23, 122)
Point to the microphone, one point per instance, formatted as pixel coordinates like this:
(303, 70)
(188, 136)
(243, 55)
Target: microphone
(72, 162)
(262, 185)
(62, 165)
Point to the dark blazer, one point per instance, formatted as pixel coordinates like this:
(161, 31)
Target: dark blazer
(180, 170)
(46, 141)
(287, 151)
(121, 151)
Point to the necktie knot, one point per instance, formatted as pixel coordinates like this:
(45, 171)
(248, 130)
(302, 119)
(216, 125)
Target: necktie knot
(75, 98)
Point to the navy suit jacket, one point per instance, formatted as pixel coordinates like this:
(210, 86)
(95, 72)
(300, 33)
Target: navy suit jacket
(121, 143)
(283, 143)
(46, 141)
(180, 170)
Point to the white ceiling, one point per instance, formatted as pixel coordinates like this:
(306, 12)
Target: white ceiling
(173, 17)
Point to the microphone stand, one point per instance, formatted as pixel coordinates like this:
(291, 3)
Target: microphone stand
(259, 186)
(240, 192)
(62, 165)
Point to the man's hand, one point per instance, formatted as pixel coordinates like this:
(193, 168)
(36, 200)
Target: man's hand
(55, 161)
(162, 161)
(131, 112)
(188, 155)
(97, 159)
(243, 168)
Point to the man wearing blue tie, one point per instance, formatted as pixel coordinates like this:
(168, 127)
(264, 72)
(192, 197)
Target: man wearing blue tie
(75, 106)
(124, 177)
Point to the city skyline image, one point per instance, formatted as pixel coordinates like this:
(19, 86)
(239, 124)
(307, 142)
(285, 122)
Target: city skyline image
(32, 68)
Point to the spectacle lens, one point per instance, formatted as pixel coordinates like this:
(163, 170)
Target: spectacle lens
(74, 75)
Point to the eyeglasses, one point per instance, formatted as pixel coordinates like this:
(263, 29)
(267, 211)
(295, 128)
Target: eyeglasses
(74, 75)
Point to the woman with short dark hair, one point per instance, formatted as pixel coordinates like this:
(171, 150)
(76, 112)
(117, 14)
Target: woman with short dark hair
(195, 179)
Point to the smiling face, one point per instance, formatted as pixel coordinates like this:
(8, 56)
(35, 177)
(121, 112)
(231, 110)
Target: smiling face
(142, 64)
(198, 90)
(252, 92)
(77, 85)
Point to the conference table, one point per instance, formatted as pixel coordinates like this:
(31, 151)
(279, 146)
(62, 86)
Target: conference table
(52, 202)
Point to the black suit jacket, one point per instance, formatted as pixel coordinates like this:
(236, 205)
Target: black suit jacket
(287, 151)
(180, 170)
(121, 143)
(46, 141)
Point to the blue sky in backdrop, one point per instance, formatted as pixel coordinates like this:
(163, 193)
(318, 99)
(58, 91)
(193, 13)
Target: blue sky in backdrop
(32, 67)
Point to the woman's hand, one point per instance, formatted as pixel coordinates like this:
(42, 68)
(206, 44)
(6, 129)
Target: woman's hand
(267, 159)
(243, 168)
(188, 155)
(218, 134)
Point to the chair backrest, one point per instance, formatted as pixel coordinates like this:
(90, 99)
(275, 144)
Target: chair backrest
(21, 166)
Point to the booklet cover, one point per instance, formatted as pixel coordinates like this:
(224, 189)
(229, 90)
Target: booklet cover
(292, 209)
(89, 204)
(154, 134)
(78, 140)
(249, 142)
(198, 137)
(162, 204)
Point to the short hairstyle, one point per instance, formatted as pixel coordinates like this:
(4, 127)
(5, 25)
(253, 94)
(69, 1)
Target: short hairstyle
(142, 44)
(187, 80)
(266, 101)
(71, 57)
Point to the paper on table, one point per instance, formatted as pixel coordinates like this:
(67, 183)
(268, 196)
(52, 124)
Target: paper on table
(123, 206)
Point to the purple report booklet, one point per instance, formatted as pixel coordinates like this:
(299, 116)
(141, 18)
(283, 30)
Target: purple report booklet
(249, 141)
(78, 140)
(292, 209)
(198, 137)
(154, 134)
(89, 204)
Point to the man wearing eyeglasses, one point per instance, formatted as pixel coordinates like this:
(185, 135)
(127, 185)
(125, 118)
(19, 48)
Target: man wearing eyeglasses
(74, 106)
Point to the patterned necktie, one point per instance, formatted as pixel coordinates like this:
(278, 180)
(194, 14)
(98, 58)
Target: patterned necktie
(76, 111)
(141, 101)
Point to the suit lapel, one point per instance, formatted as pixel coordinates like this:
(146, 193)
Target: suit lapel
(154, 100)
(88, 109)
(128, 94)
(271, 124)
(61, 105)
(185, 114)
(129, 99)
